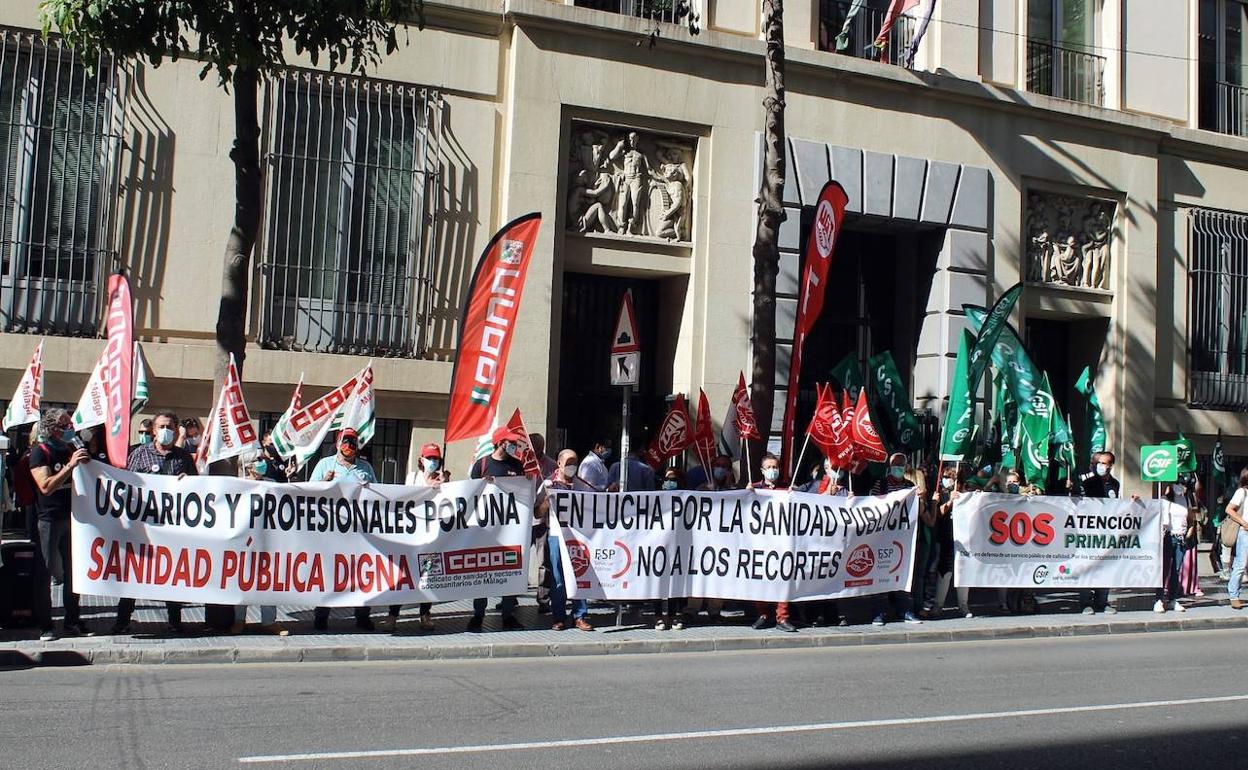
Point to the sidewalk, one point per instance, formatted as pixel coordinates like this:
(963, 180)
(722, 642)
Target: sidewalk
(1058, 615)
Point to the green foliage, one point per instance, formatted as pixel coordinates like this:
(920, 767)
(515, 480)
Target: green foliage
(225, 35)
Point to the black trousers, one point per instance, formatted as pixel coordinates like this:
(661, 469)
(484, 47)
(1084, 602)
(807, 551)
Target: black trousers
(125, 608)
(321, 615)
(52, 555)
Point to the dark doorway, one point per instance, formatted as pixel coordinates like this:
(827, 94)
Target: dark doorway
(589, 405)
(1062, 348)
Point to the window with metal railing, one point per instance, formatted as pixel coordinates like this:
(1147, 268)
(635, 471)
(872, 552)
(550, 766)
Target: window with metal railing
(1222, 61)
(852, 27)
(1218, 310)
(655, 10)
(1061, 50)
(387, 452)
(348, 259)
(60, 135)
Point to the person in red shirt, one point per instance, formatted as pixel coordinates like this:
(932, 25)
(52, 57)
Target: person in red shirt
(772, 612)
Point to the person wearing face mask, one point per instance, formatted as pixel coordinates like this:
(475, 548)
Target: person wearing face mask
(564, 477)
(346, 464)
(771, 613)
(1100, 482)
(430, 473)
(668, 613)
(503, 462)
(894, 480)
(143, 437)
(722, 479)
(252, 466)
(93, 440)
(162, 457)
(275, 467)
(52, 463)
(593, 470)
(1179, 521)
(950, 489)
(189, 434)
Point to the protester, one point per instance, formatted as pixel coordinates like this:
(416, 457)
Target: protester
(189, 434)
(923, 540)
(771, 613)
(1179, 522)
(162, 457)
(502, 462)
(640, 475)
(344, 465)
(952, 486)
(1100, 483)
(430, 473)
(673, 480)
(52, 462)
(276, 467)
(722, 480)
(564, 477)
(537, 442)
(894, 481)
(593, 470)
(253, 466)
(1235, 510)
(24, 490)
(93, 441)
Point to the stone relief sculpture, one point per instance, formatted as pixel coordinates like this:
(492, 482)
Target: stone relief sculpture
(1068, 240)
(629, 183)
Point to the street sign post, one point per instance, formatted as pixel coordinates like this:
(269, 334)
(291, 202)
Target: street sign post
(625, 367)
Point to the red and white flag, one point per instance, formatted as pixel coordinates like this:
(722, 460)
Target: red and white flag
(820, 244)
(488, 327)
(704, 432)
(674, 436)
(118, 369)
(829, 430)
(739, 423)
(229, 428)
(299, 434)
(867, 443)
(24, 406)
(532, 468)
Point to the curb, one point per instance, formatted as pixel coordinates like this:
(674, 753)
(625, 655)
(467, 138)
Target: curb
(29, 654)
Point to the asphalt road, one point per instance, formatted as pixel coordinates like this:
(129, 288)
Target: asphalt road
(1163, 700)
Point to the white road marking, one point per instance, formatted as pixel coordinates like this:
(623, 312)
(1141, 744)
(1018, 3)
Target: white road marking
(733, 733)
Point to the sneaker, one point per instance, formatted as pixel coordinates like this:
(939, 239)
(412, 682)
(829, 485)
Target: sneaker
(1110, 610)
(273, 629)
(966, 612)
(786, 627)
(843, 623)
(910, 617)
(48, 636)
(1224, 574)
(426, 623)
(1089, 611)
(120, 629)
(878, 620)
(584, 625)
(660, 625)
(678, 624)
(761, 623)
(1177, 607)
(511, 624)
(1159, 606)
(474, 624)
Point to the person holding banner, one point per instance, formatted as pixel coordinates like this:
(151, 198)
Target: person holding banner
(895, 480)
(923, 543)
(1179, 520)
(430, 474)
(162, 457)
(1235, 510)
(952, 486)
(771, 613)
(503, 461)
(564, 477)
(1100, 482)
(345, 464)
(52, 463)
(253, 466)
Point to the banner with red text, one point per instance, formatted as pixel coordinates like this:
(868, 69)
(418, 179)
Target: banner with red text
(749, 544)
(225, 540)
(118, 369)
(1010, 541)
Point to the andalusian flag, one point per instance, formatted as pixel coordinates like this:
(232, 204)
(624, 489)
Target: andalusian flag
(138, 399)
(24, 406)
(1033, 449)
(957, 436)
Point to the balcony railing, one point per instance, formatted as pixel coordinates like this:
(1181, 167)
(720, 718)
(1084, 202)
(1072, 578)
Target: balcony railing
(1232, 109)
(1067, 73)
(655, 10)
(854, 34)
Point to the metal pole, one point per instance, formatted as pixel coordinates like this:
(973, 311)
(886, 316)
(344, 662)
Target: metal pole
(624, 442)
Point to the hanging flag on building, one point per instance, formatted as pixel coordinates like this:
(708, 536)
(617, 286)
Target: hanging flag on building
(299, 434)
(925, 18)
(675, 435)
(229, 429)
(895, 9)
(892, 402)
(528, 458)
(739, 423)
(704, 431)
(118, 369)
(24, 406)
(829, 430)
(957, 434)
(487, 328)
(141, 389)
(1096, 435)
(820, 245)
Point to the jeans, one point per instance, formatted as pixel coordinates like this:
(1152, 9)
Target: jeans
(1171, 562)
(559, 588)
(52, 561)
(1237, 567)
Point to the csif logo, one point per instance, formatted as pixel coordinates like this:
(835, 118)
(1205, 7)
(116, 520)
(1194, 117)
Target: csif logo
(1157, 462)
(1040, 575)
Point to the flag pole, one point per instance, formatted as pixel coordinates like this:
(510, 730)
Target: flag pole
(798, 465)
(749, 468)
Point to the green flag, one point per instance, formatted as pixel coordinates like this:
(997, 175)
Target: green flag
(990, 330)
(1005, 410)
(1066, 456)
(1059, 430)
(1033, 449)
(1097, 437)
(1009, 356)
(849, 374)
(1220, 474)
(1187, 453)
(892, 402)
(957, 436)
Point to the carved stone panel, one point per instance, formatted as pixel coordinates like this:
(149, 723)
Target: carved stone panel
(1068, 239)
(627, 182)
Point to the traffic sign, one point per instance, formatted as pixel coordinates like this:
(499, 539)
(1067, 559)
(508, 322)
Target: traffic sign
(624, 368)
(1159, 463)
(625, 338)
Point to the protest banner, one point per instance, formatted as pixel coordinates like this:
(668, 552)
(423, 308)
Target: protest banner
(1009, 541)
(225, 540)
(746, 544)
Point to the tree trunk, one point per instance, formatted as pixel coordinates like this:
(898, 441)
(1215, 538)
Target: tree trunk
(766, 235)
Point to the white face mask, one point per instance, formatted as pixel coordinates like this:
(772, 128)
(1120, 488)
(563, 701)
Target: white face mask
(430, 464)
(946, 483)
(569, 470)
(1102, 469)
(771, 474)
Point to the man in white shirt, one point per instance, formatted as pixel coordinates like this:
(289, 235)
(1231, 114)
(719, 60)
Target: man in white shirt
(593, 470)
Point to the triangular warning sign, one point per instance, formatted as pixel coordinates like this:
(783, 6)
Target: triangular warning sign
(624, 340)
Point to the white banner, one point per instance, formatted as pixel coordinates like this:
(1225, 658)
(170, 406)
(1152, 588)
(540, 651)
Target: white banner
(225, 540)
(1008, 541)
(749, 545)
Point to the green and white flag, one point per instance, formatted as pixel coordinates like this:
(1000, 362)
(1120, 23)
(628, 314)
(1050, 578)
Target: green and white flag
(990, 331)
(1220, 473)
(1010, 357)
(892, 403)
(957, 435)
(90, 410)
(139, 399)
(1097, 437)
(849, 374)
(1033, 449)
(1187, 453)
(1059, 430)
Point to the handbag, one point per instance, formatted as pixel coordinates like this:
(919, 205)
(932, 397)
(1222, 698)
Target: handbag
(1228, 531)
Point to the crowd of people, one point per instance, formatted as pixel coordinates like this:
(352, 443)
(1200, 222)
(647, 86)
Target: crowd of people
(42, 479)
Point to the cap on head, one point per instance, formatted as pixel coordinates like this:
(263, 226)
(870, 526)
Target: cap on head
(504, 433)
(431, 450)
(349, 436)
